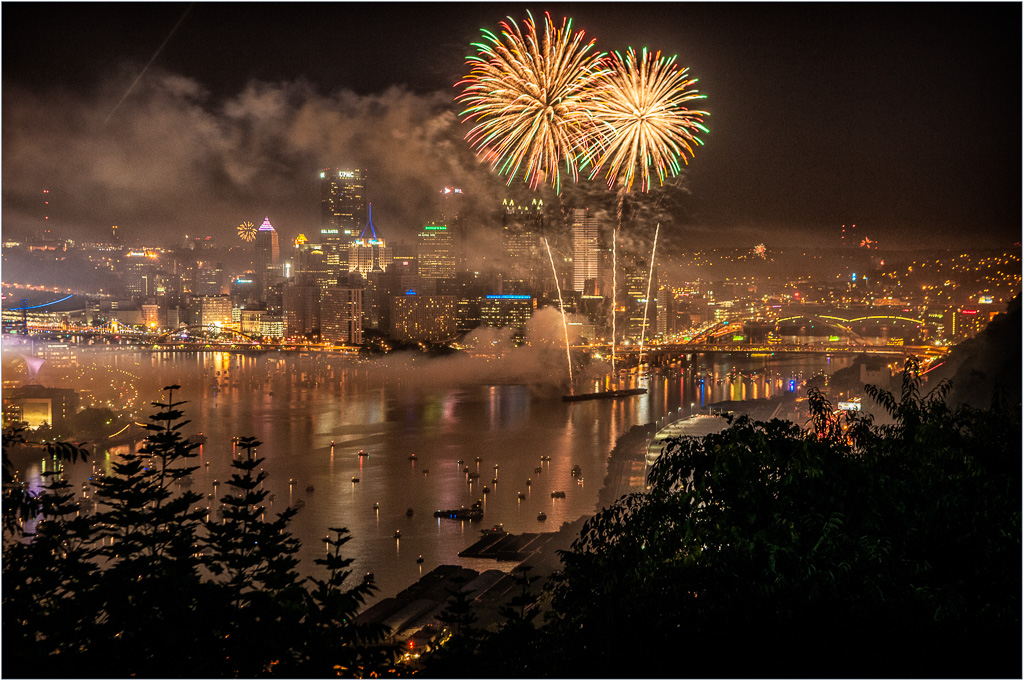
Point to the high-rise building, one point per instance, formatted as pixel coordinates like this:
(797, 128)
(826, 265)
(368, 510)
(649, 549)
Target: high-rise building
(436, 252)
(343, 206)
(520, 239)
(419, 318)
(452, 214)
(341, 315)
(585, 248)
(301, 308)
(267, 257)
(508, 310)
(368, 252)
(213, 310)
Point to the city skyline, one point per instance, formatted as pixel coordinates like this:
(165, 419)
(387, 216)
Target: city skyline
(819, 116)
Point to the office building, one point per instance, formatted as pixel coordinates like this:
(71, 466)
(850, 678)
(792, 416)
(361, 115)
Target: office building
(341, 315)
(585, 248)
(419, 318)
(435, 252)
(266, 258)
(213, 310)
(343, 205)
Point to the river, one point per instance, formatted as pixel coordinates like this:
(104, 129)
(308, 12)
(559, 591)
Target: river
(414, 432)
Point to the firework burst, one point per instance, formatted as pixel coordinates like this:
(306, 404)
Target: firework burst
(527, 95)
(640, 119)
(247, 231)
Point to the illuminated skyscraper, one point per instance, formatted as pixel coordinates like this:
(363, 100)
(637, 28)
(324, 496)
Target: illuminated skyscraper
(523, 224)
(436, 252)
(452, 214)
(343, 206)
(368, 252)
(267, 256)
(585, 250)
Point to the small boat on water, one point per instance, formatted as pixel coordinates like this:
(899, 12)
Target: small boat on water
(521, 495)
(367, 578)
(576, 471)
(420, 559)
(607, 395)
(376, 507)
(398, 534)
(310, 488)
(362, 452)
(542, 516)
(558, 495)
(528, 483)
(486, 490)
(472, 475)
(355, 479)
(545, 458)
(497, 529)
(197, 439)
(408, 513)
(538, 469)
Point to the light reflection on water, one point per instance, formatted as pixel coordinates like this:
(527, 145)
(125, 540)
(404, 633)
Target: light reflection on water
(298, 405)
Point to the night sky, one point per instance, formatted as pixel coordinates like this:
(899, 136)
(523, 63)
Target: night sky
(902, 118)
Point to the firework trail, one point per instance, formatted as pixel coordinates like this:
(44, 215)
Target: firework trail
(146, 67)
(528, 97)
(561, 306)
(647, 301)
(640, 119)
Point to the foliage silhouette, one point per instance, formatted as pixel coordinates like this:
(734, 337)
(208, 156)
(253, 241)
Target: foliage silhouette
(147, 587)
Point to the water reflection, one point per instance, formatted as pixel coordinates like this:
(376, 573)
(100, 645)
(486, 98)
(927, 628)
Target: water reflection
(297, 406)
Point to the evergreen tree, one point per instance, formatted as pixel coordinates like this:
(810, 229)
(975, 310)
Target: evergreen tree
(260, 598)
(48, 573)
(151, 552)
(334, 644)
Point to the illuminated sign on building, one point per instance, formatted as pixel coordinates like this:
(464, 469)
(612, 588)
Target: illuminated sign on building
(346, 173)
(509, 297)
(328, 231)
(436, 228)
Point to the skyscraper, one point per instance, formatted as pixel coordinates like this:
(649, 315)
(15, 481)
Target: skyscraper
(585, 250)
(452, 214)
(436, 252)
(343, 206)
(267, 256)
(368, 252)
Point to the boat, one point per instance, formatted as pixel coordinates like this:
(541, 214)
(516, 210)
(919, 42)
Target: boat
(197, 439)
(558, 495)
(412, 457)
(420, 559)
(475, 512)
(362, 452)
(368, 578)
(355, 479)
(472, 475)
(545, 458)
(542, 516)
(376, 507)
(607, 395)
(538, 469)
(528, 483)
(521, 495)
(310, 488)
(486, 490)
(408, 513)
(497, 529)
(398, 534)
(576, 471)
(460, 514)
